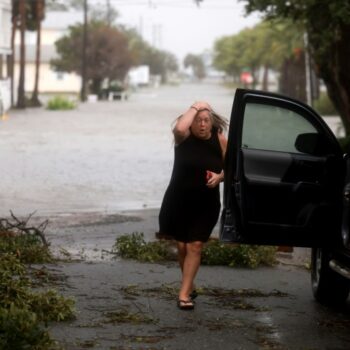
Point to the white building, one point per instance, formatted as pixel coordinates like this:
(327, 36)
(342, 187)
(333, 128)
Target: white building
(139, 76)
(54, 26)
(5, 54)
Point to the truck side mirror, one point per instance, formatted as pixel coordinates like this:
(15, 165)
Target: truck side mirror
(312, 143)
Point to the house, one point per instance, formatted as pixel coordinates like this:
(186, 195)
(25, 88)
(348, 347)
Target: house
(5, 55)
(51, 82)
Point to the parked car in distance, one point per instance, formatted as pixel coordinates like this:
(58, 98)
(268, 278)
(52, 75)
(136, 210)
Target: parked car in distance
(287, 182)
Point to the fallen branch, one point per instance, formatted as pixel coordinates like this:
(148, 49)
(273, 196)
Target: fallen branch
(16, 226)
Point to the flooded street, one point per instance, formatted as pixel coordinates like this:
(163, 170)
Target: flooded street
(104, 157)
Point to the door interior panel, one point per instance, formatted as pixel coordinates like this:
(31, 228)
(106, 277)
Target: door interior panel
(284, 172)
(281, 188)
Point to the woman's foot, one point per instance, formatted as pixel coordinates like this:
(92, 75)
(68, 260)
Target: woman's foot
(185, 304)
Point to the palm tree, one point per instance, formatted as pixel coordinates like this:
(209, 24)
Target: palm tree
(22, 10)
(38, 10)
(15, 17)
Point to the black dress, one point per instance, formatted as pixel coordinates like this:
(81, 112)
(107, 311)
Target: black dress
(190, 209)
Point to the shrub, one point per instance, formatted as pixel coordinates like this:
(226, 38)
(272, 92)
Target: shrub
(24, 312)
(135, 247)
(21, 329)
(60, 103)
(15, 289)
(28, 247)
(214, 253)
(50, 306)
(28, 243)
(234, 255)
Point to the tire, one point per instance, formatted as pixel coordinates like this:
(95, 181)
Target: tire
(328, 287)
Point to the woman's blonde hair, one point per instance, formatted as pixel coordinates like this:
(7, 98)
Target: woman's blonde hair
(219, 123)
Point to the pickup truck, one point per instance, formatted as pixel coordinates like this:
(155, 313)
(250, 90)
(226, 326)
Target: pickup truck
(287, 182)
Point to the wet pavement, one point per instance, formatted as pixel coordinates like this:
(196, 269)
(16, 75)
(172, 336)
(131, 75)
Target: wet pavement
(267, 308)
(123, 304)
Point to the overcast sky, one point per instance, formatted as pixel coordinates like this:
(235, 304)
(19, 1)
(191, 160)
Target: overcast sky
(180, 26)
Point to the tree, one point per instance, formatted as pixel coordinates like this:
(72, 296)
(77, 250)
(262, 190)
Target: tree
(279, 45)
(15, 24)
(160, 62)
(108, 55)
(38, 14)
(265, 45)
(197, 64)
(22, 15)
(327, 24)
(279, 41)
(26, 15)
(226, 56)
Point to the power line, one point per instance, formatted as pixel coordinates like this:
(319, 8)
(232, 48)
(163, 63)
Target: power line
(218, 5)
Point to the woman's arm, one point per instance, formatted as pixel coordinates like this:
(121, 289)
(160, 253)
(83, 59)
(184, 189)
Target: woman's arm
(223, 144)
(215, 178)
(182, 127)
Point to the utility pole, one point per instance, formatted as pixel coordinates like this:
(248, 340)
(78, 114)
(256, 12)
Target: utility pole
(83, 54)
(108, 5)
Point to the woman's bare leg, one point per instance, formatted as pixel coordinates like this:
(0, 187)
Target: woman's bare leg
(181, 253)
(190, 268)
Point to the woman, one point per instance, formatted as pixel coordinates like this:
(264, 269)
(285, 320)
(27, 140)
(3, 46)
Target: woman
(191, 203)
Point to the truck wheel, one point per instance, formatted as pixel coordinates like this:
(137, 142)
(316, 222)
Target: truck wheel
(328, 287)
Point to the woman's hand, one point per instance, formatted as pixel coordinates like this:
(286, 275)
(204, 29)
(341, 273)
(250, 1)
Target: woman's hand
(201, 105)
(182, 127)
(214, 179)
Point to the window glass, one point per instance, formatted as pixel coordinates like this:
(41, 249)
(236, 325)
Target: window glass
(59, 75)
(273, 128)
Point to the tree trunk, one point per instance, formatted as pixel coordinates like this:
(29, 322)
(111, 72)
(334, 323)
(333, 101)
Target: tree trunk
(21, 101)
(255, 80)
(334, 69)
(293, 78)
(96, 86)
(300, 77)
(265, 81)
(12, 59)
(35, 102)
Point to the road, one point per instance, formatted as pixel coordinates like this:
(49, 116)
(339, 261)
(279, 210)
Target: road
(105, 156)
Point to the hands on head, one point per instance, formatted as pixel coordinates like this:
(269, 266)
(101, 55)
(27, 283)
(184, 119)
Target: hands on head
(201, 106)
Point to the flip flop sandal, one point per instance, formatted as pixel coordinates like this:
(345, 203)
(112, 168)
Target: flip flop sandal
(185, 304)
(194, 294)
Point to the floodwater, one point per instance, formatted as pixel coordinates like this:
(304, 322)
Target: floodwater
(104, 156)
(101, 157)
